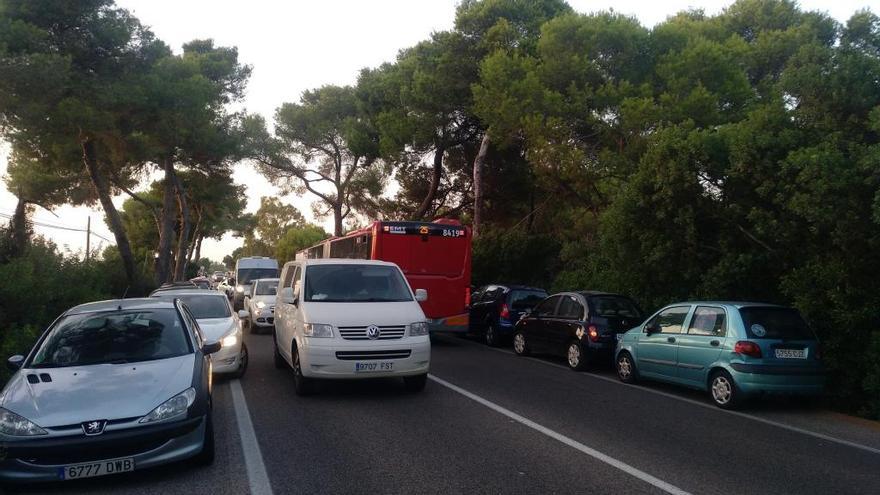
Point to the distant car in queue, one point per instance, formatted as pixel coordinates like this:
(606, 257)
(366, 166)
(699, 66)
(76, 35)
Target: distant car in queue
(110, 387)
(581, 326)
(496, 308)
(259, 307)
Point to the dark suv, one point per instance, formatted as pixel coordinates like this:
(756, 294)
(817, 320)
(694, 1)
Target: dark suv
(580, 326)
(495, 309)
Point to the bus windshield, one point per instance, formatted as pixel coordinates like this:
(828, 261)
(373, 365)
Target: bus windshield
(355, 283)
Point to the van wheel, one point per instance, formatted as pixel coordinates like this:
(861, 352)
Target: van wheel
(280, 363)
(520, 347)
(491, 336)
(415, 384)
(575, 356)
(723, 390)
(301, 384)
(626, 368)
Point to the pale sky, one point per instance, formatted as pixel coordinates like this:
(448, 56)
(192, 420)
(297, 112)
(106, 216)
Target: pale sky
(297, 45)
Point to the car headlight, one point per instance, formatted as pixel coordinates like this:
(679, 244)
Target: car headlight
(239, 289)
(15, 425)
(174, 406)
(261, 304)
(418, 328)
(229, 340)
(317, 330)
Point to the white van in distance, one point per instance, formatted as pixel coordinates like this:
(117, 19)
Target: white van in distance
(247, 270)
(342, 318)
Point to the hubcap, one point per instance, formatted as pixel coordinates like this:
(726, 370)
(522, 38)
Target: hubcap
(624, 368)
(721, 390)
(574, 355)
(519, 343)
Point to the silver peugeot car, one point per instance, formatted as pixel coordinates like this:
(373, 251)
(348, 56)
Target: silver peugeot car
(110, 387)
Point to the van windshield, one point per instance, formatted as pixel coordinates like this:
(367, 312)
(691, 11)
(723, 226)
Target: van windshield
(355, 283)
(245, 275)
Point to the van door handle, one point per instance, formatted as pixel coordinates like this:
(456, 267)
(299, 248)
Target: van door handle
(671, 340)
(715, 343)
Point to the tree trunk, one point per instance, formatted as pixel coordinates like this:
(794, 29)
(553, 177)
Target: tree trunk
(166, 233)
(195, 237)
(337, 218)
(199, 249)
(19, 228)
(185, 227)
(435, 184)
(90, 160)
(478, 184)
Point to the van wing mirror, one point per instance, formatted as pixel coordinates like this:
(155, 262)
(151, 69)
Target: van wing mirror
(421, 295)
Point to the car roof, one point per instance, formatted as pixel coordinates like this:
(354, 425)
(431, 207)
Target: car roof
(275, 279)
(516, 287)
(120, 305)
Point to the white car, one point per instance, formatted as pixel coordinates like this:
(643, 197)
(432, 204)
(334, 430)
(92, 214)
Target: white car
(259, 308)
(218, 322)
(342, 319)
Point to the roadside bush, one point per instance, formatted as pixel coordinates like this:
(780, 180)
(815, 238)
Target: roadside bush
(502, 256)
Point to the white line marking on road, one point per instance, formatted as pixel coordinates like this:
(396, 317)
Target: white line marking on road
(258, 479)
(632, 471)
(770, 422)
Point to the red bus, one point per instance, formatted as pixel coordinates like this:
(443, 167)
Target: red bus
(433, 255)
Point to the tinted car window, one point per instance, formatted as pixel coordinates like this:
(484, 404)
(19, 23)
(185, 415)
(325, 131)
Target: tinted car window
(202, 306)
(671, 320)
(113, 337)
(526, 299)
(570, 308)
(355, 283)
(245, 275)
(548, 307)
(708, 321)
(775, 323)
(266, 288)
(606, 306)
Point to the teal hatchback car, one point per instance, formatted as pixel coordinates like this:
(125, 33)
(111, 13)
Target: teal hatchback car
(733, 350)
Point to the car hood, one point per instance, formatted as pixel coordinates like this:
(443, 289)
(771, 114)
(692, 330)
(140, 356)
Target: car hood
(216, 328)
(361, 314)
(103, 391)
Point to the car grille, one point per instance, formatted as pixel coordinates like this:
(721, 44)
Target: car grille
(360, 333)
(369, 355)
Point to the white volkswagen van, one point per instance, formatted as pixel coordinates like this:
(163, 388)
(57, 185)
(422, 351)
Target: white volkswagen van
(344, 318)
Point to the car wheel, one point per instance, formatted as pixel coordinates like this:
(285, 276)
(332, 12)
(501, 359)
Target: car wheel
(575, 356)
(280, 363)
(491, 337)
(415, 384)
(206, 456)
(302, 385)
(243, 361)
(723, 390)
(520, 346)
(626, 368)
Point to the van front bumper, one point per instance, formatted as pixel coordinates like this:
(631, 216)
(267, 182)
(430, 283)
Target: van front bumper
(328, 359)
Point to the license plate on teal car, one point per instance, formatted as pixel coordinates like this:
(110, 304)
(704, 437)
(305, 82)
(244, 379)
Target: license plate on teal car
(791, 353)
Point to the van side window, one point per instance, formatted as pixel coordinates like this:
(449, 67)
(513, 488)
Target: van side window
(708, 321)
(287, 276)
(297, 278)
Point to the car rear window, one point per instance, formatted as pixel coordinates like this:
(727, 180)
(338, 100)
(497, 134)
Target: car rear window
(526, 299)
(113, 337)
(776, 324)
(202, 306)
(609, 306)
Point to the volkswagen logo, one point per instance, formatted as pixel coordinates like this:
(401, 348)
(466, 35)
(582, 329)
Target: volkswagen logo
(91, 428)
(373, 332)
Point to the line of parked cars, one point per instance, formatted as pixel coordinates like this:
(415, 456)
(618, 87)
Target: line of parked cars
(733, 350)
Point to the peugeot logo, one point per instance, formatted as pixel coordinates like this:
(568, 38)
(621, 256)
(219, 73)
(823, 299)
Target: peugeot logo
(91, 428)
(373, 332)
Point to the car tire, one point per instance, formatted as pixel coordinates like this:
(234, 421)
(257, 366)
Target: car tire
(206, 456)
(520, 346)
(415, 384)
(625, 366)
(302, 385)
(243, 363)
(723, 390)
(491, 336)
(575, 356)
(280, 363)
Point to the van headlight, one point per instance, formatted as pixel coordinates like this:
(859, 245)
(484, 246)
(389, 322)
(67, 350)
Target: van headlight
(317, 330)
(418, 329)
(172, 407)
(18, 426)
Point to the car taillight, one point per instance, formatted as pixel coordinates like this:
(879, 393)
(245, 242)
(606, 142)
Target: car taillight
(593, 332)
(505, 311)
(747, 348)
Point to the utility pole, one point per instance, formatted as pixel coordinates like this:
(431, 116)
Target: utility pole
(88, 235)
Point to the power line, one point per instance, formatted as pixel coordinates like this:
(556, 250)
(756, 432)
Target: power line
(60, 227)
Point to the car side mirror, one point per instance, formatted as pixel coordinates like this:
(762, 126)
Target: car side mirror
(287, 296)
(421, 295)
(211, 347)
(14, 363)
(243, 314)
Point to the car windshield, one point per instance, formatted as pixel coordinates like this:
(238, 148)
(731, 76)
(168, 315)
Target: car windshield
(113, 337)
(611, 306)
(266, 288)
(526, 299)
(355, 283)
(246, 275)
(775, 323)
(202, 306)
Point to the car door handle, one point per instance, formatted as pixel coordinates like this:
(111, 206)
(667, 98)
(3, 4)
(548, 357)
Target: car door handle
(671, 340)
(715, 343)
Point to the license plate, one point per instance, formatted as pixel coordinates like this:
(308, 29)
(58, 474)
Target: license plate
(98, 468)
(375, 366)
(791, 353)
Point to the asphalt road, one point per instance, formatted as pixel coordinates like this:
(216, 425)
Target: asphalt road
(492, 422)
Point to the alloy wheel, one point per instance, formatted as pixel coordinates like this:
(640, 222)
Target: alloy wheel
(624, 368)
(574, 355)
(722, 389)
(519, 343)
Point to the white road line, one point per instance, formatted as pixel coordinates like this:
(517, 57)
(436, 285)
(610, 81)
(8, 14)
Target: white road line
(253, 459)
(770, 422)
(632, 471)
